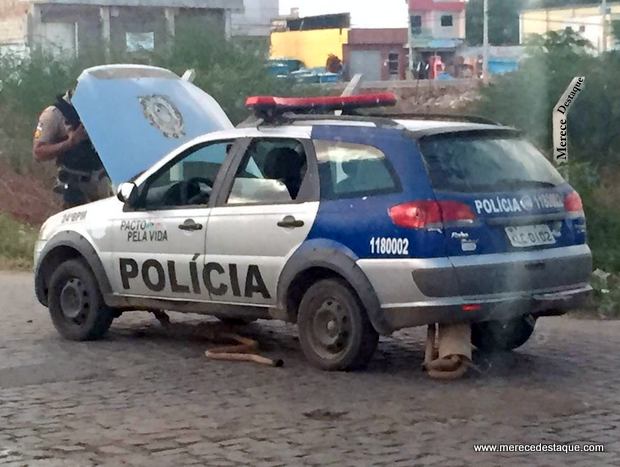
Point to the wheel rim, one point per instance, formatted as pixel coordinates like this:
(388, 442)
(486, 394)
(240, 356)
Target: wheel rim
(331, 328)
(74, 301)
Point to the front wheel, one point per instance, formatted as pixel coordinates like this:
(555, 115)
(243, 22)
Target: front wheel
(493, 336)
(334, 330)
(75, 303)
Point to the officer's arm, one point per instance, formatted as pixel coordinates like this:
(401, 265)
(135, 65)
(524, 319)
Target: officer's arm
(49, 151)
(44, 150)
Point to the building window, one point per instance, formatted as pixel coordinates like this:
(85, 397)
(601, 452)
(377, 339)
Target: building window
(446, 20)
(416, 25)
(582, 28)
(393, 63)
(140, 41)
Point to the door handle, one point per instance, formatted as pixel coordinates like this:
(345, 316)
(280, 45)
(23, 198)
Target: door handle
(289, 222)
(190, 226)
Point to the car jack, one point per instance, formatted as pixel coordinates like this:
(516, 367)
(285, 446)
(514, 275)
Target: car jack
(448, 351)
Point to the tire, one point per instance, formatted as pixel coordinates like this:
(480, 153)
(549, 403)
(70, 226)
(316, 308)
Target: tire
(334, 330)
(502, 336)
(75, 303)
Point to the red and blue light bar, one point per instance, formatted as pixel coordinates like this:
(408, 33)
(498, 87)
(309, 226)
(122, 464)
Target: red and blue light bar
(272, 105)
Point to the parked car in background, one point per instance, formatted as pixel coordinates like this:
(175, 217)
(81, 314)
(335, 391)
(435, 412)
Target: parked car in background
(283, 67)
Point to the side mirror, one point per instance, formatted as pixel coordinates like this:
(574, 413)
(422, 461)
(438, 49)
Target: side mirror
(128, 193)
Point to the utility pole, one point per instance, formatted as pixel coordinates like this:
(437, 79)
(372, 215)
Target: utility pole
(485, 44)
(410, 40)
(604, 8)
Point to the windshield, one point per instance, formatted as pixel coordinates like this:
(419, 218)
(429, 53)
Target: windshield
(478, 162)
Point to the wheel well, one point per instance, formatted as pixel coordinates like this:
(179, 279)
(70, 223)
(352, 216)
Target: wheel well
(301, 283)
(52, 260)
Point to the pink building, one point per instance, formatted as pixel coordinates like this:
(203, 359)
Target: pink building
(437, 28)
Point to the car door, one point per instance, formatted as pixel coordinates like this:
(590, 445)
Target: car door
(159, 246)
(264, 211)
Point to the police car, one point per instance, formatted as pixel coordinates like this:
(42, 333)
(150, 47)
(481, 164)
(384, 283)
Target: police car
(350, 226)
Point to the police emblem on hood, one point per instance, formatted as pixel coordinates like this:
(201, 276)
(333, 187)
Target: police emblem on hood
(137, 114)
(163, 115)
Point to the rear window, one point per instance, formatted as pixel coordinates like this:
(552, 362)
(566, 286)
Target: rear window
(349, 170)
(486, 162)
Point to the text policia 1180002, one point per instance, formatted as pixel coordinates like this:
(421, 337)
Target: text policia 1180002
(214, 278)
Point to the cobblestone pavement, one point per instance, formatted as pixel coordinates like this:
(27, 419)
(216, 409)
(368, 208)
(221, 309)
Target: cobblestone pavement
(147, 396)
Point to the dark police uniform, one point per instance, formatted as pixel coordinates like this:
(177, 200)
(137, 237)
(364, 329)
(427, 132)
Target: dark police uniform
(82, 178)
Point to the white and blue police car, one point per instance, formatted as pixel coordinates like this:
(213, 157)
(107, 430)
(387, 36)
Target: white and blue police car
(350, 226)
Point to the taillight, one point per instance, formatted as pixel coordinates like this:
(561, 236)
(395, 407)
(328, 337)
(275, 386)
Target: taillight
(425, 214)
(572, 203)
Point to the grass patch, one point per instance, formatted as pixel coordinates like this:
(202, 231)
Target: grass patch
(16, 244)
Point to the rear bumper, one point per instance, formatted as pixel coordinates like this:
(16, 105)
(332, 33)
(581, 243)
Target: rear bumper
(490, 308)
(419, 291)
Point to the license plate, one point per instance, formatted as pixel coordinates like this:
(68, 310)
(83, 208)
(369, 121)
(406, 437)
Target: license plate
(530, 235)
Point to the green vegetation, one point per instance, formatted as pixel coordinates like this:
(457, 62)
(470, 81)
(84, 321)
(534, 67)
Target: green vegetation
(525, 99)
(16, 244)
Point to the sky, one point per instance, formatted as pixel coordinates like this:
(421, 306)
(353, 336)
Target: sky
(364, 13)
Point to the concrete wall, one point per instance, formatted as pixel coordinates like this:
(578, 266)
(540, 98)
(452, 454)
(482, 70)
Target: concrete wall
(385, 51)
(214, 20)
(75, 26)
(13, 25)
(71, 29)
(456, 31)
(312, 47)
(585, 19)
(202, 4)
(432, 28)
(66, 29)
(256, 18)
(382, 47)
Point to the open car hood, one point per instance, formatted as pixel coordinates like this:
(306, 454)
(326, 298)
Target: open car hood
(136, 114)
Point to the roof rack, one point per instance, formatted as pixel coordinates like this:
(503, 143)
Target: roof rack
(379, 121)
(436, 116)
(291, 118)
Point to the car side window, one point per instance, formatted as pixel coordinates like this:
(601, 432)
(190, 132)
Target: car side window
(348, 170)
(272, 171)
(189, 180)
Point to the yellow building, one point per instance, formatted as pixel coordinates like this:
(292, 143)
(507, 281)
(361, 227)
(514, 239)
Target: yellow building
(588, 20)
(312, 47)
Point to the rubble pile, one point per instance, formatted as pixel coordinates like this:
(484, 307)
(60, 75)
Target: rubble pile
(426, 96)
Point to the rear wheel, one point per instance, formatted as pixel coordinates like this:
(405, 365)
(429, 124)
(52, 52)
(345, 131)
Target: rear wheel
(75, 302)
(490, 336)
(334, 330)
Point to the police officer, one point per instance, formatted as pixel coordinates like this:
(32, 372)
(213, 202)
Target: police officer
(61, 137)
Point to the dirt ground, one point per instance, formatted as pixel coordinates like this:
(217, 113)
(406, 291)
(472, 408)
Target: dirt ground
(26, 197)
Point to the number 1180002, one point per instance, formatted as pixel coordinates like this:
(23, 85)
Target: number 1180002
(389, 246)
